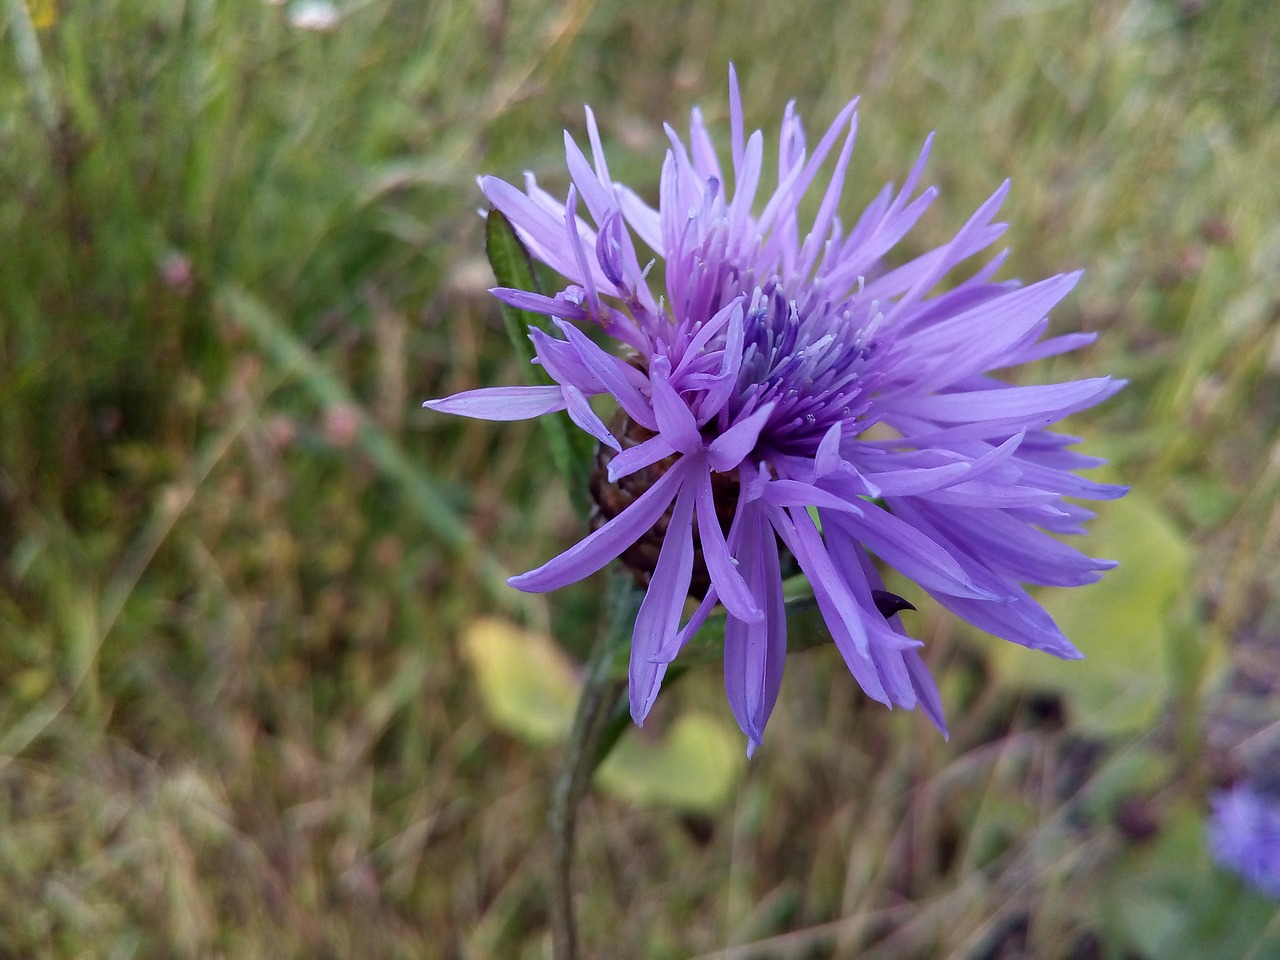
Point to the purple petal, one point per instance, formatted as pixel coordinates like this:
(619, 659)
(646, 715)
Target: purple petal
(538, 303)
(926, 690)
(735, 118)
(1019, 551)
(828, 460)
(730, 448)
(668, 651)
(643, 219)
(1019, 619)
(858, 574)
(755, 653)
(919, 480)
(593, 552)
(643, 454)
(563, 363)
(796, 493)
(598, 197)
(580, 412)
(675, 420)
(1026, 404)
(910, 552)
(502, 403)
(839, 610)
(729, 583)
(818, 232)
(731, 311)
(730, 363)
(978, 339)
(894, 676)
(1053, 347)
(542, 232)
(659, 617)
(607, 369)
(586, 269)
(975, 235)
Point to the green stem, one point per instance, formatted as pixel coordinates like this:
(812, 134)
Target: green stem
(601, 694)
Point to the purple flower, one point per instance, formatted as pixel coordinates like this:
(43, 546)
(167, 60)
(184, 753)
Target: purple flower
(787, 395)
(1244, 836)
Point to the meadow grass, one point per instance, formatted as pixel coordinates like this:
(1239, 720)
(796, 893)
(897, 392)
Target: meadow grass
(236, 557)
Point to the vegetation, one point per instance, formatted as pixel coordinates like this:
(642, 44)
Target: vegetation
(237, 718)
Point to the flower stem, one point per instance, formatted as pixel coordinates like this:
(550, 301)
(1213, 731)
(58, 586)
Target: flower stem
(600, 695)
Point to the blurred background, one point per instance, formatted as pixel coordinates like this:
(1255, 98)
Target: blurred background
(262, 690)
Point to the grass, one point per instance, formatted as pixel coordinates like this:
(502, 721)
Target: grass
(235, 557)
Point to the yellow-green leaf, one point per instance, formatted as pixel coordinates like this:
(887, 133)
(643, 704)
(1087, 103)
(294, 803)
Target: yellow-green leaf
(528, 686)
(1123, 624)
(695, 767)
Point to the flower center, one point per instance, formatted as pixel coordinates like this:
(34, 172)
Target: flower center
(812, 360)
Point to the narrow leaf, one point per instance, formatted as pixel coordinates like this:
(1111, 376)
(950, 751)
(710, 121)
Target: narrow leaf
(570, 450)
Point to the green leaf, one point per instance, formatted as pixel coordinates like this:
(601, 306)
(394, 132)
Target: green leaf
(1123, 624)
(529, 689)
(513, 267)
(695, 767)
(571, 451)
(527, 685)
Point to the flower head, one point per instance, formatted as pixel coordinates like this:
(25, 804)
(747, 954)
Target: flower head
(787, 394)
(1244, 836)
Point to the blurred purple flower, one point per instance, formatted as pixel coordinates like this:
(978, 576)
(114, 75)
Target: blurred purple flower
(1244, 836)
(793, 392)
